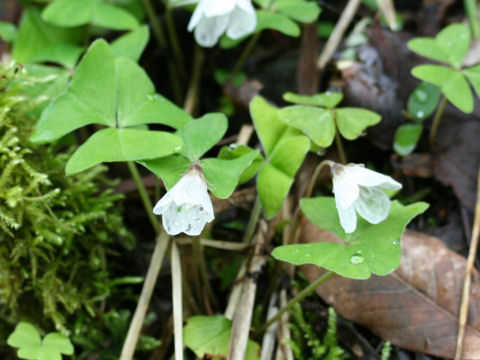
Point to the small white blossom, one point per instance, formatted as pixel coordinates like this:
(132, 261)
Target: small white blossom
(359, 190)
(186, 207)
(212, 18)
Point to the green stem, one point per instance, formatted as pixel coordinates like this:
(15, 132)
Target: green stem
(192, 92)
(246, 52)
(156, 27)
(341, 150)
(162, 41)
(172, 35)
(202, 268)
(436, 121)
(302, 295)
(252, 222)
(472, 14)
(144, 196)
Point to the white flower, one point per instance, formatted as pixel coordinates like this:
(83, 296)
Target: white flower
(358, 190)
(186, 207)
(212, 18)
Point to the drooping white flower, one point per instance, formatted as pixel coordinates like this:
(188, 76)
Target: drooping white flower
(212, 18)
(359, 190)
(186, 207)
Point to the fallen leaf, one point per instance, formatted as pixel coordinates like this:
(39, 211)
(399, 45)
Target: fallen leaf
(458, 159)
(415, 307)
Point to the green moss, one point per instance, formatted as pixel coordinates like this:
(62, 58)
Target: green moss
(56, 232)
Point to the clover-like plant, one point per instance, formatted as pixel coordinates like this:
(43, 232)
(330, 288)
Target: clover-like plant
(449, 47)
(32, 347)
(101, 92)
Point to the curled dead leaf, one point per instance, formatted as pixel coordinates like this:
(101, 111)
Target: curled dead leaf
(415, 307)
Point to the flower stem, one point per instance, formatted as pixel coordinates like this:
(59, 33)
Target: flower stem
(192, 92)
(436, 121)
(162, 41)
(340, 149)
(243, 57)
(202, 268)
(302, 295)
(315, 175)
(172, 35)
(252, 222)
(144, 196)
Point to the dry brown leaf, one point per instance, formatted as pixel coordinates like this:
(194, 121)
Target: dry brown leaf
(416, 307)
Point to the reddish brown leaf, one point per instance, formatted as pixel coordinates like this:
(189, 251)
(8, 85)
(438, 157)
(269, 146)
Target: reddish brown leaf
(416, 307)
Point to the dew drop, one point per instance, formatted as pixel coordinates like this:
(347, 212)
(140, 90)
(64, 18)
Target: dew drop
(177, 148)
(395, 242)
(356, 259)
(420, 114)
(421, 96)
(151, 98)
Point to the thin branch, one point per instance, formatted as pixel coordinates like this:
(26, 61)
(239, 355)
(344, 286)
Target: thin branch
(177, 302)
(462, 319)
(337, 34)
(145, 297)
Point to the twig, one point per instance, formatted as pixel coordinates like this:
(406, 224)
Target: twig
(462, 319)
(243, 315)
(177, 302)
(268, 343)
(217, 244)
(337, 34)
(245, 133)
(284, 331)
(388, 9)
(147, 290)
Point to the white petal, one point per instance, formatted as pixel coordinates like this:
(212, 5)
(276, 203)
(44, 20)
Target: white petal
(163, 204)
(243, 20)
(218, 7)
(348, 219)
(209, 30)
(196, 16)
(373, 205)
(345, 190)
(171, 220)
(366, 177)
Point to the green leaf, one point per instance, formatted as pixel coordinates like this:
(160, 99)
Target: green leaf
(210, 335)
(301, 11)
(352, 122)
(106, 91)
(90, 97)
(370, 249)
(328, 99)
(316, 123)
(25, 334)
(279, 22)
(27, 339)
(450, 45)
(270, 129)
(68, 13)
(406, 138)
(8, 31)
(35, 35)
(231, 153)
(61, 53)
(131, 45)
(108, 145)
(137, 102)
(473, 75)
(423, 101)
(201, 135)
(224, 175)
(451, 82)
(277, 175)
(170, 168)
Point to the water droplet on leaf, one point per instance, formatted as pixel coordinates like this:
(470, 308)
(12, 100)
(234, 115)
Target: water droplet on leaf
(356, 259)
(421, 96)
